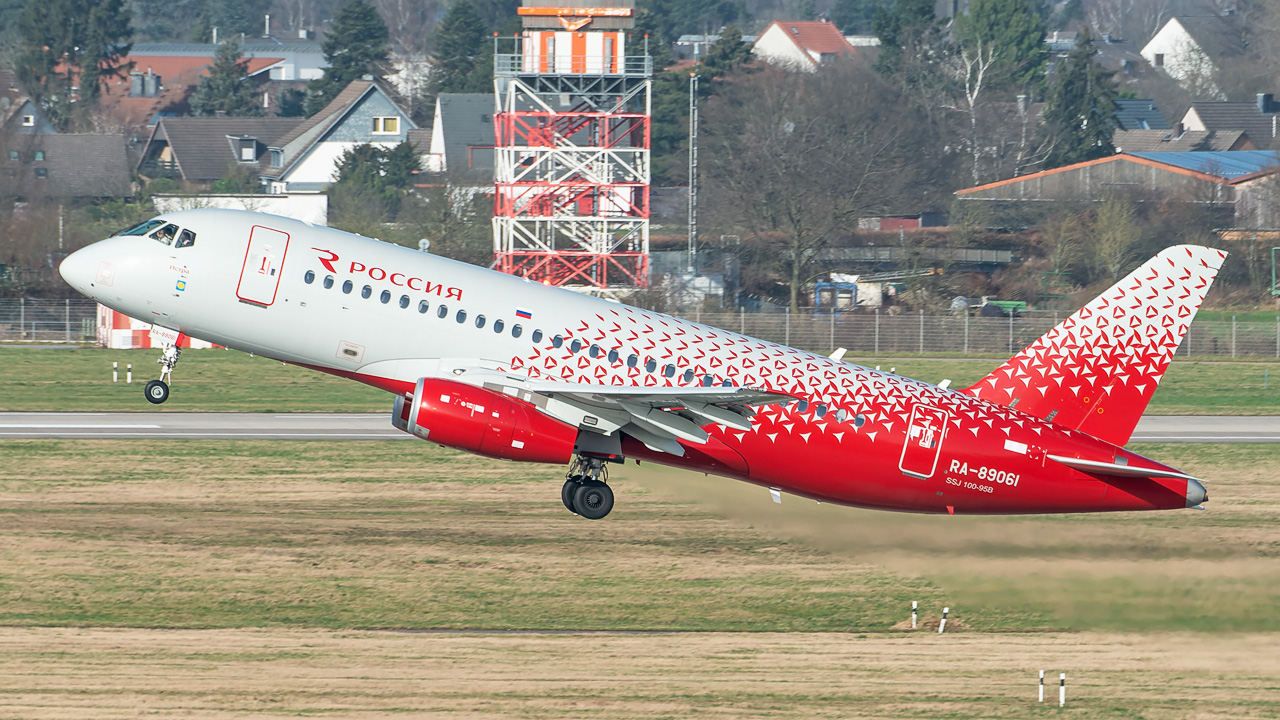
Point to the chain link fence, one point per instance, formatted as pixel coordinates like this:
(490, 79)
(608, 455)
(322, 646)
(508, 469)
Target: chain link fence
(48, 321)
(75, 321)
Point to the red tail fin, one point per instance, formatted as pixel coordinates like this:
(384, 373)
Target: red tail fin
(1097, 370)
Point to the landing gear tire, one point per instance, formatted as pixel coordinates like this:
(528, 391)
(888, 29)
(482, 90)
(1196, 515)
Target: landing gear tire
(593, 500)
(568, 490)
(157, 391)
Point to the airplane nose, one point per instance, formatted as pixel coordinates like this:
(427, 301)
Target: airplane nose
(79, 269)
(1196, 493)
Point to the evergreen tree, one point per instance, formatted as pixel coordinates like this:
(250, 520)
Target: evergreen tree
(855, 16)
(356, 46)
(70, 43)
(1080, 115)
(1016, 29)
(461, 50)
(227, 88)
(381, 175)
(901, 27)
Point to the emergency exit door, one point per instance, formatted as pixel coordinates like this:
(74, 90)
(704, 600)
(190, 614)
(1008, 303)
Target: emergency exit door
(924, 441)
(263, 261)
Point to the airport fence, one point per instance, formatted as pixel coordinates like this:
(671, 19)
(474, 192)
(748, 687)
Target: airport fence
(27, 320)
(37, 320)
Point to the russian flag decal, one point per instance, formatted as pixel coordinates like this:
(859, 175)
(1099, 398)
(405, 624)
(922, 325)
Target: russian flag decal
(522, 313)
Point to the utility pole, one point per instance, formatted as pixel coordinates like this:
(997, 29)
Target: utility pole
(693, 172)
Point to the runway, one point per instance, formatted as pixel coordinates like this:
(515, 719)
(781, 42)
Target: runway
(377, 426)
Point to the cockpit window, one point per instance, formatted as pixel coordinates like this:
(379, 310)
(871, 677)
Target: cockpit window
(142, 229)
(186, 238)
(165, 234)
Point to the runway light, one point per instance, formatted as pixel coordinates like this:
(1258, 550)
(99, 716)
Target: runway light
(943, 625)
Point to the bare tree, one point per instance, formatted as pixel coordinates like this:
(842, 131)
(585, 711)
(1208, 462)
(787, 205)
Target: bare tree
(971, 68)
(793, 160)
(1115, 235)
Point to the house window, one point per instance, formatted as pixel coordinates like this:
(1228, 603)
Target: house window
(277, 158)
(39, 155)
(28, 121)
(13, 154)
(386, 126)
(1159, 59)
(42, 172)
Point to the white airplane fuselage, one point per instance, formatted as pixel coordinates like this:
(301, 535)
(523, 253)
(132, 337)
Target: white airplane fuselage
(390, 316)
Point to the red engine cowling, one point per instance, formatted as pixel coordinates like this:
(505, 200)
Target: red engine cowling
(483, 422)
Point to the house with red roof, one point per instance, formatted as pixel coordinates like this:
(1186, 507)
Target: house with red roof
(802, 45)
(162, 85)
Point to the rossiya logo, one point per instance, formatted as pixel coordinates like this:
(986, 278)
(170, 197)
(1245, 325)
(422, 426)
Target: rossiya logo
(399, 279)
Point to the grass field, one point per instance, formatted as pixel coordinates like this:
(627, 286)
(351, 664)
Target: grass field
(79, 379)
(216, 579)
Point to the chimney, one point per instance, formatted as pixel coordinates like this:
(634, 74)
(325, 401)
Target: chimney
(1266, 103)
(266, 28)
(215, 34)
(1179, 130)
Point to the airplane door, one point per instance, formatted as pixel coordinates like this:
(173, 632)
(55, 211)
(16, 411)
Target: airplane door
(925, 432)
(263, 261)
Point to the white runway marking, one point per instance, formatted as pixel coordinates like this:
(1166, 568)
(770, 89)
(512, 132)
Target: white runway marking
(60, 426)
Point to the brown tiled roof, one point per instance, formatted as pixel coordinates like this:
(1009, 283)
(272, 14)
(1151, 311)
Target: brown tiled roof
(819, 37)
(331, 113)
(201, 147)
(1261, 128)
(1190, 141)
(75, 166)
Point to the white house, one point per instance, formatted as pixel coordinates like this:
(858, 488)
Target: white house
(1191, 49)
(306, 159)
(801, 45)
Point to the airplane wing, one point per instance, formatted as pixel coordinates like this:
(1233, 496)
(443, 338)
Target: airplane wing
(659, 417)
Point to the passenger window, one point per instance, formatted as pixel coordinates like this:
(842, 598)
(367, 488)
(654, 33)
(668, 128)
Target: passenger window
(557, 341)
(613, 356)
(822, 410)
(385, 297)
(186, 239)
(650, 365)
(688, 375)
(575, 346)
(593, 351)
(165, 234)
(669, 370)
(328, 282)
(142, 229)
(479, 321)
(537, 336)
(841, 415)
(462, 316)
(423, 306)
(516, 330)
(498, 325)
(365, 292)
(803, 406)
(309, 278)
(859, 420)
(632, 360)
(442, 311)
(707, 380)
(404, 301)
(346, 287)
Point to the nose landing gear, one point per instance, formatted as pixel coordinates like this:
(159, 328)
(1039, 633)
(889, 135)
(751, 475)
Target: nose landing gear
(585, 491)
(157, 391)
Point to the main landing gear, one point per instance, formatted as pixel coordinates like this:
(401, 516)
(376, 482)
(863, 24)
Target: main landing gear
(585, 491)
(157, 391)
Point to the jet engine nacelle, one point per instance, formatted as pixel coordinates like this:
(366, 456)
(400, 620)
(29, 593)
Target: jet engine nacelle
(483, 422)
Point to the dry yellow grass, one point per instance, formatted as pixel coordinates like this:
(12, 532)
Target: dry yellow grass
(129, 673)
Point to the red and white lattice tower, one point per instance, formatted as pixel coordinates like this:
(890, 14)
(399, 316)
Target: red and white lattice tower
(571, 206)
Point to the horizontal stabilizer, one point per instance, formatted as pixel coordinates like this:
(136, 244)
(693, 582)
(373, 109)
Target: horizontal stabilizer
(1116, 470)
